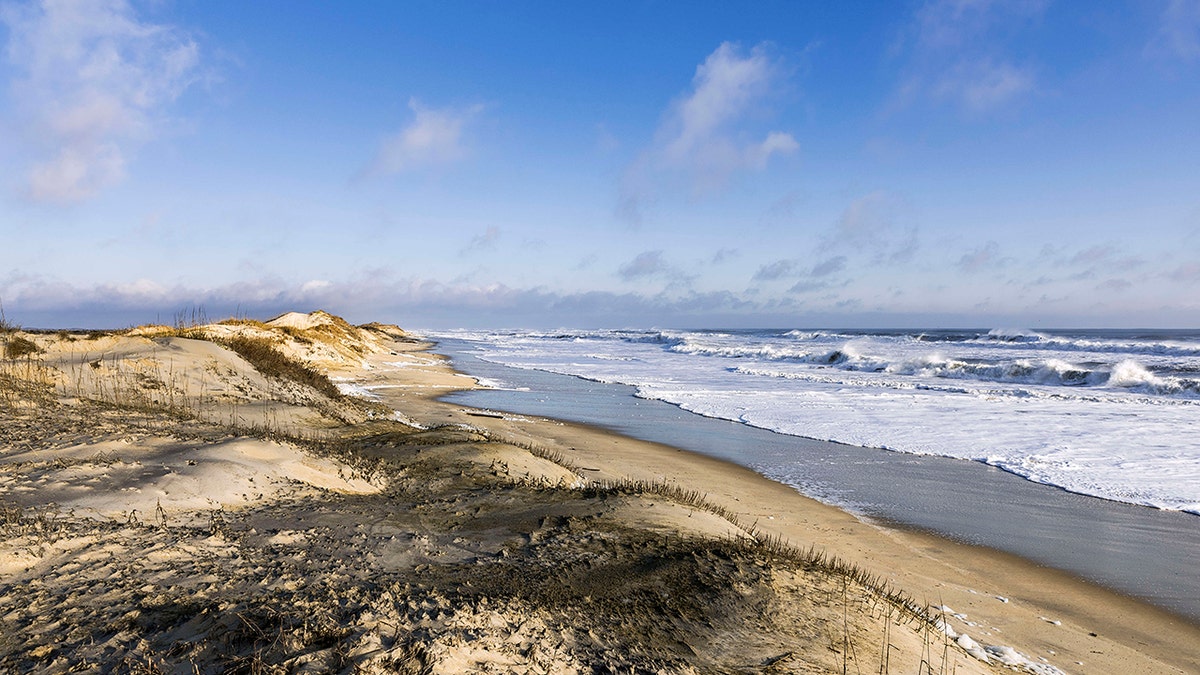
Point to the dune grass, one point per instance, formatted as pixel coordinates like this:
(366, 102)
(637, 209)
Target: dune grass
(268, 360)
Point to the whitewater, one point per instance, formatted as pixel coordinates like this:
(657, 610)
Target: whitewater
(1111, 414)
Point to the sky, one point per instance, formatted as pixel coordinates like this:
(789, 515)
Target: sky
(950, 163)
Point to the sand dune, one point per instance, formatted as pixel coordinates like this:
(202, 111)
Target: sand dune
(289, 496)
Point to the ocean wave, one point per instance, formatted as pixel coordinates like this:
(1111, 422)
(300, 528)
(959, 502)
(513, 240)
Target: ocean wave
(869, 356)
(1129, 374)
(809, 335)
(1015, 335)
(817, 348)
(1144, 346)
(978, 357)
(1055, 377)
(1122, 425)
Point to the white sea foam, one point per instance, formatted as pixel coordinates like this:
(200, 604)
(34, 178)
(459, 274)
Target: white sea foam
(348, 388)
(1121, 423)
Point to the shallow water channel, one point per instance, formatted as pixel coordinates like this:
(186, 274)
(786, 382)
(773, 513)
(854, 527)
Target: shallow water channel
(1137, 550)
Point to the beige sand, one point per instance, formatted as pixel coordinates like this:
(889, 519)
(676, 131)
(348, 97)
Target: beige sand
(167, 506)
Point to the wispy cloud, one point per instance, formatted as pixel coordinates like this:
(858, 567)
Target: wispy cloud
(951, 24)
(811, 278)
(1093, 255)
(980, 258)
(1178, 35)
(874, 224)
(958, 52)
(483, 242)
(434, 137)
(725, 255)
(821, 276)
(1115, 285)
(652, 269)
(983, 84)
(776, 270)
(726, 86)
(645, 264)
(702, 140)
(95, 84)
(827, 267)
(1187, 272)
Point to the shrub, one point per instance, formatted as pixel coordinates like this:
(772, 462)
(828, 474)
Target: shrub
(18, 346)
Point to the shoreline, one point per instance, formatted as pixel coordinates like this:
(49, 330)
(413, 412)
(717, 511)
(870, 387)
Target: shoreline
(197, 504)
(1134, 550)
(969, 578)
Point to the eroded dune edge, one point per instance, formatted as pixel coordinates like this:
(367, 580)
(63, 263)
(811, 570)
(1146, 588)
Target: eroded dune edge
(289, 496)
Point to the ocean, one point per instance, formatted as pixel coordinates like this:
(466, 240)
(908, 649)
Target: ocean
(1111, 414)
(1078, 450)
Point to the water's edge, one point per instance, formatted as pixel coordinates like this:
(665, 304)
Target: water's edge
(1144, 552)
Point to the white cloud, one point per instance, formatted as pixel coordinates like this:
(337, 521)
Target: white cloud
(724, 88)
(95, 82)
(702, 139)
(1178, 34)
(776, 143)
(434, 137)
(315, 285)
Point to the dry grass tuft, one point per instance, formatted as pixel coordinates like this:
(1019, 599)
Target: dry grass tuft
(16, 347)
(262, 354)
(241, 321)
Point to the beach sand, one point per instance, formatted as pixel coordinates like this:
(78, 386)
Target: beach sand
(173, 501)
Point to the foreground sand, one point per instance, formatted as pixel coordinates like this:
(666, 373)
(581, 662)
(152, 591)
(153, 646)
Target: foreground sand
(167, 507)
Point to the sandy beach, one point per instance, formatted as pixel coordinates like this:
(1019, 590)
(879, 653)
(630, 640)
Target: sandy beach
(291, 496)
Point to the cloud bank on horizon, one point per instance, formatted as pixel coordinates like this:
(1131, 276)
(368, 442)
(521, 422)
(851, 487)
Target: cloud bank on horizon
(937, 163)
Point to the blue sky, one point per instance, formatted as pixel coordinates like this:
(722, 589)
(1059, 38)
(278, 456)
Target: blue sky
(947, 163)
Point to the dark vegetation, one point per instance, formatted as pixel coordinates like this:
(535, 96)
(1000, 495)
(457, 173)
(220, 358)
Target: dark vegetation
(18, 346)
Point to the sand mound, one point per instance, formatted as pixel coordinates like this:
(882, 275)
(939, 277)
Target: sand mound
(304, 321)
(143, 477)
